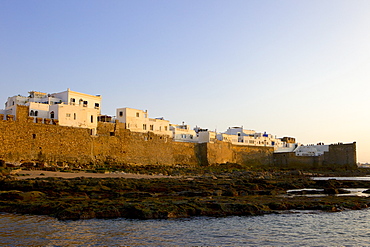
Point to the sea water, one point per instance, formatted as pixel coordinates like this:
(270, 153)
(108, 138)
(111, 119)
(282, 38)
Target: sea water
(294, 228)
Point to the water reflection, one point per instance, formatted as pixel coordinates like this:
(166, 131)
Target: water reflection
(296, 228)
(342, 178)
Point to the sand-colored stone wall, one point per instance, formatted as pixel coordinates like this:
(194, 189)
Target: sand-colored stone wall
(25, 140)
(224, 152)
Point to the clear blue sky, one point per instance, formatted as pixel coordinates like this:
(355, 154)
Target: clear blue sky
(291, 68)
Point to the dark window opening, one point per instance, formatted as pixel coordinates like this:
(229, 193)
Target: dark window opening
(36, 113)
(92, 118)
(112, 134)
(32, 113)
(96, 105)
(33, 136)
(120, 113)
(52, 114)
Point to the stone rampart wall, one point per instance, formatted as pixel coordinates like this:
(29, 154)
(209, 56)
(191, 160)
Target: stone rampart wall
(339, 155)
(24, 140)
(224, 152)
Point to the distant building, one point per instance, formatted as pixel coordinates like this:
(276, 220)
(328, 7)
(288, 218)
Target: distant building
(66, 108)
(311, 150)
(138, 121)
(240, 136)
(183, 133)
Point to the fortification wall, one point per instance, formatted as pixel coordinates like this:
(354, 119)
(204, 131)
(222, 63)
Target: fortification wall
(223, 152)
(23, 141)
(290, 160)
(339, 155)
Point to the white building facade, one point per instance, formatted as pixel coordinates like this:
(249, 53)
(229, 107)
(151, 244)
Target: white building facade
(68, 108)
(311, 150)
(183, 133)
(240, 136)
(138, 121)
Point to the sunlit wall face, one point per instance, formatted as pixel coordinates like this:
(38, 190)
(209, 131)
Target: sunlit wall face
(292, 68)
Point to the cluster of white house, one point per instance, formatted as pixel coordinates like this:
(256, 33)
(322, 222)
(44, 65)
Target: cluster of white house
(74, 109)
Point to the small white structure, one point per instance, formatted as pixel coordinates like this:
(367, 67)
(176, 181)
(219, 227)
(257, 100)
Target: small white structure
(69, 108)
(311, 150)
(283, 147)
(183, 133)
(205, 136)
(138, 121)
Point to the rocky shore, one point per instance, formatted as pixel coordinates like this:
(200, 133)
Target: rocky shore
(213, 194)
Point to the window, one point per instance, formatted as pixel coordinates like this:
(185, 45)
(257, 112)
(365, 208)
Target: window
(120, 113)
(165, 128)
(68, 114)
(74, 116)
(36, 113)
(73, 101)
(92, 118)
(32, 113)
(151, 127)
(96, 105)
(85, 103)
(144, 126)
(137, 114)
(52, 114)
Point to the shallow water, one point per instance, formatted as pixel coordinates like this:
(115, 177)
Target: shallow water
(343, 178)
(299, 228)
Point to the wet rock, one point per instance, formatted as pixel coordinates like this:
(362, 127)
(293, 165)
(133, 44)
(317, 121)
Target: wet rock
(137, 195)
(194, 193)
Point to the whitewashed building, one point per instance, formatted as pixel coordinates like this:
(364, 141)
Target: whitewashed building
(240, 136)
(183, 133)
(311, 150)
(68, 108)
(138, 121)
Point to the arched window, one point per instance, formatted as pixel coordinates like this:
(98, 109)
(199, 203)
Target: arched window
(32, 113)
(52, 114)
(36, 113)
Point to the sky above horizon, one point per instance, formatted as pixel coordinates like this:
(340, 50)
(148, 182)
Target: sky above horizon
(290, 68)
